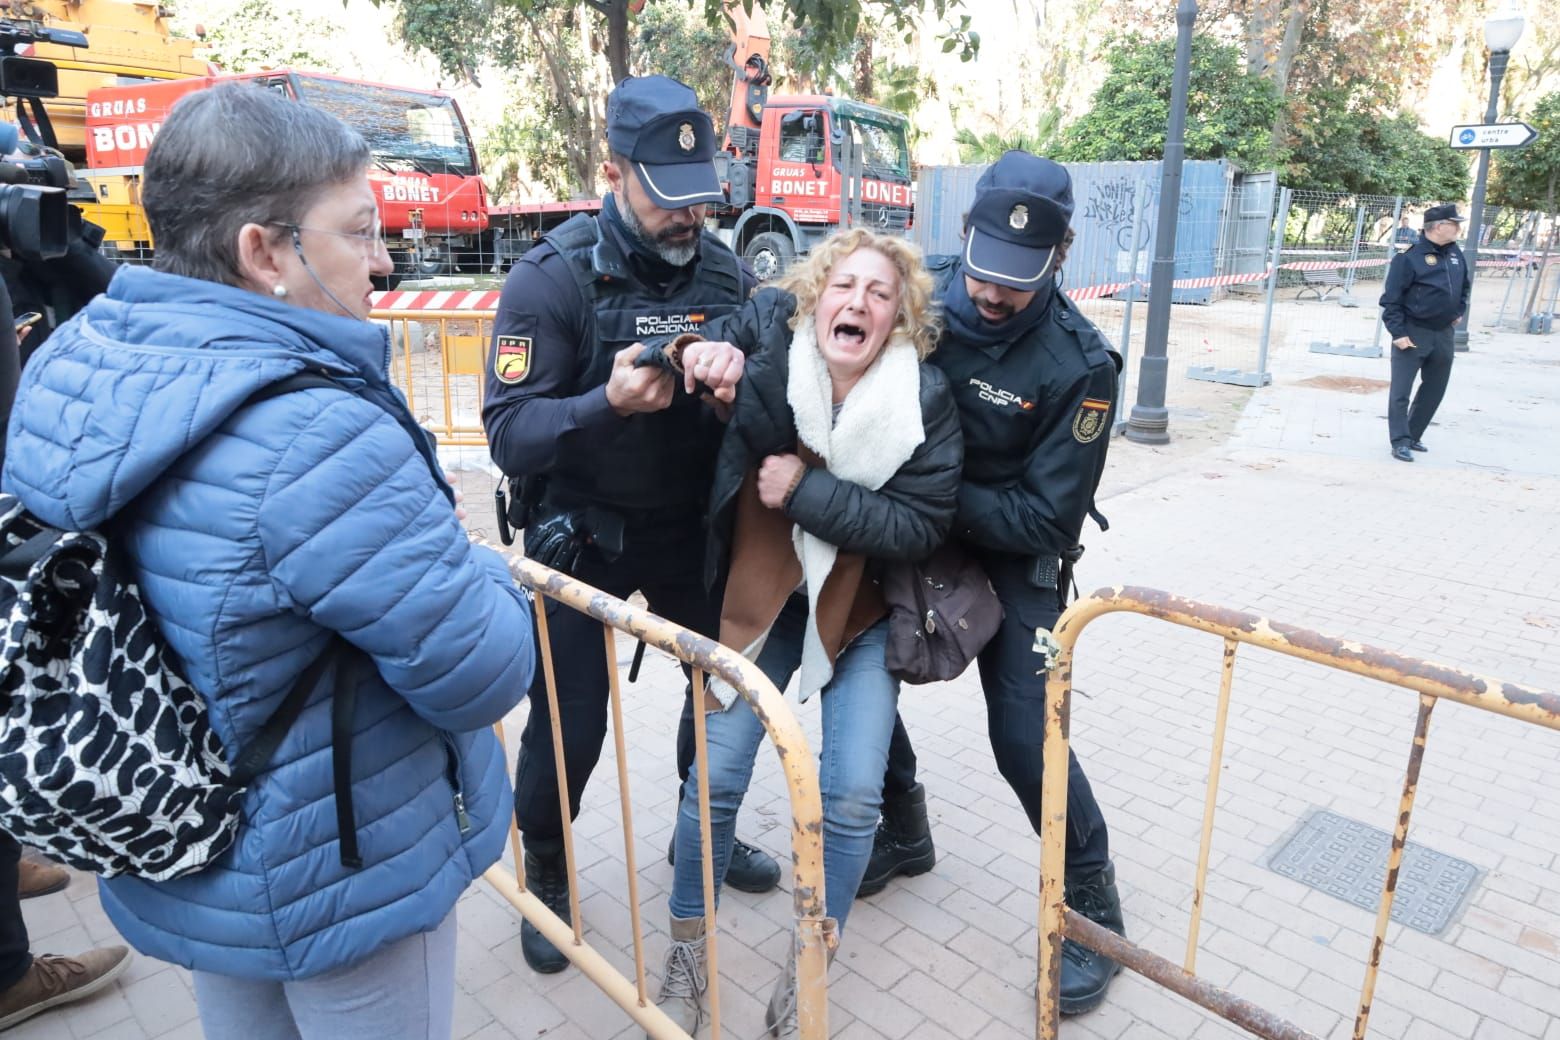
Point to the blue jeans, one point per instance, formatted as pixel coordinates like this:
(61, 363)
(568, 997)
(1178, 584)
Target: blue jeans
(859, 706)
(405, 990)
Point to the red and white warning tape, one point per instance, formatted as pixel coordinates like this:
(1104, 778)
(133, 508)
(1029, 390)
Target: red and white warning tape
(450, 300)
(486, 300)
(1331, 265)
(1094, 292)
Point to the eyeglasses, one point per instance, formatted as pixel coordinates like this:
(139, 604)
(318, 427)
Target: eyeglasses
(373, 240)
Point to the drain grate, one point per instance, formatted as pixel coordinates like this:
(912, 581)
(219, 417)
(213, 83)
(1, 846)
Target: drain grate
(1348, 859)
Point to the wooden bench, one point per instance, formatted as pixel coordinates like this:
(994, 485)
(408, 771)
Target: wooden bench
(1319, 283)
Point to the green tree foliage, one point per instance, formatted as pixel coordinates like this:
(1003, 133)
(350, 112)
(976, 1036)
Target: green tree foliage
(463, 34)
(251, 37)
(673, 40)
(1357, 152)
(1230, 114)
(988, 147)
(1527, 177)
(556, 63)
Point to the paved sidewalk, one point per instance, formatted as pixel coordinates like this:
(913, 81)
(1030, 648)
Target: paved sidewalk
(1302, 516)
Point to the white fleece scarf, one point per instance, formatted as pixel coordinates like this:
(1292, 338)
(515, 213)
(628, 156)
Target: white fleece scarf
(877, 431)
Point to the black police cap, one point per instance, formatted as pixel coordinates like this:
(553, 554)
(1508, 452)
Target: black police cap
(1436, 214)
(656, 124)
(1023, 205)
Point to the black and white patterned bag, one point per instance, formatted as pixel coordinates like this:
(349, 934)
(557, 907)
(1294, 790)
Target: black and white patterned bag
(108, 761)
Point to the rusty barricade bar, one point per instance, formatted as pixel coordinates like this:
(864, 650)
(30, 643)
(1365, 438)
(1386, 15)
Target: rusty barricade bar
(1431, 681)
(444, 387)
(814, 932)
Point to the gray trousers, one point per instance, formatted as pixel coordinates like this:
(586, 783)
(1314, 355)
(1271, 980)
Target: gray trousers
(406, 991)
(1430, 358)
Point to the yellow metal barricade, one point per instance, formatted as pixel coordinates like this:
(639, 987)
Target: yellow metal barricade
(1430, 681)
(814, 932)
(439, 360)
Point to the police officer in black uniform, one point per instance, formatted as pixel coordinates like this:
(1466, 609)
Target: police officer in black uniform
(1035, 384)
(617, 459)
(1425, 297)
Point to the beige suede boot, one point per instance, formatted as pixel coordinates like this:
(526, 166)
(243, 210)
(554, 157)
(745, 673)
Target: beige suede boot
(683, 978)
(781, 1016)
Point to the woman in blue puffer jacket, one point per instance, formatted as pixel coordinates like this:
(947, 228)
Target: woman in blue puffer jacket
(259, 532)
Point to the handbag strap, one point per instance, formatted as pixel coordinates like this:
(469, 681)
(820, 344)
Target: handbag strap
(18, 562)
(257, 756)
(345, 698)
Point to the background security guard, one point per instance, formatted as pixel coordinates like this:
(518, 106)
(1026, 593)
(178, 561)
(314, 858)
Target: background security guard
(1426, 295)
(1035, 384)
(619, 461)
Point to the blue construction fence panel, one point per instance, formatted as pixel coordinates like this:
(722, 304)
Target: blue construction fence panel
(1105, 201)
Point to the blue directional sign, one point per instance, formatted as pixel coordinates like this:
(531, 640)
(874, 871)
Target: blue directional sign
(1493, 135)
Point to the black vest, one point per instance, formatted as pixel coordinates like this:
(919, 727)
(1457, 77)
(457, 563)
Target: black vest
(661, 461)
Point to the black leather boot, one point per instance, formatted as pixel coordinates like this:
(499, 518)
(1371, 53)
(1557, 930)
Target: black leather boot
(547, 878)
(1086, 975)
(903, 843)
(751, 869)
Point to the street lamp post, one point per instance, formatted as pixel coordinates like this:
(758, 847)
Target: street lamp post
(1150, 420)
(1502, 30)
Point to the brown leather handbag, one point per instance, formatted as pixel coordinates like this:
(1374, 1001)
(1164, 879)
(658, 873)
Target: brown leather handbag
(942, 613)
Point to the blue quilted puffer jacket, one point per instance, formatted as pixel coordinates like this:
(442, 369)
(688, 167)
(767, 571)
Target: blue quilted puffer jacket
(256, 531)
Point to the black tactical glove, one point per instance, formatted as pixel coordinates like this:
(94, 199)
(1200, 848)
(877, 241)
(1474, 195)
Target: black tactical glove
(557, 541)
(657, 355)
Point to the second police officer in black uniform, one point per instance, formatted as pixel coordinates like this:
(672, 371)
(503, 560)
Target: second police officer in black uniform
(1425, 296)
(618, 459)
(1035, 384)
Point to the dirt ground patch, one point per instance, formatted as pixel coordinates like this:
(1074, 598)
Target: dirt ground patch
(1348, 384)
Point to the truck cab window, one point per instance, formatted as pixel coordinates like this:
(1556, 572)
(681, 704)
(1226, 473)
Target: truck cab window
(801, 137)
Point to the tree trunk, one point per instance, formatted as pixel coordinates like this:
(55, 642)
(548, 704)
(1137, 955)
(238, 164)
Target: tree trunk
(574, 102)
(863, 85)
(617, 39)
(1289, 44)
(1287, 47)
(1531, 303)
(1259, 36)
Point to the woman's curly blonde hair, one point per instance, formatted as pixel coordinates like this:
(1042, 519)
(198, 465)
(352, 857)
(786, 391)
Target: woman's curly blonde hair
(915, 320)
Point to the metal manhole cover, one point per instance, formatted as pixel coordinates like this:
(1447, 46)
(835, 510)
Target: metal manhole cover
(1348, 859)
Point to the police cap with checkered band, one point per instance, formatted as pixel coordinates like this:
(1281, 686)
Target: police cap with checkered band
(656, 124)
(1023, 204)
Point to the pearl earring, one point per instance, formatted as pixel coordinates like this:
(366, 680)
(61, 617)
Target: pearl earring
(280, 292)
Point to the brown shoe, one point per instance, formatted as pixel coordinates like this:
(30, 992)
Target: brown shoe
(52, 981)
(39, 877)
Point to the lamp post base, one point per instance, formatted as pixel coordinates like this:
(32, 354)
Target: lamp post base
(1460, 341)
(1148, 425)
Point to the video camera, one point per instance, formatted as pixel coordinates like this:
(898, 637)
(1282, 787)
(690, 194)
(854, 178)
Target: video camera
(36, 221)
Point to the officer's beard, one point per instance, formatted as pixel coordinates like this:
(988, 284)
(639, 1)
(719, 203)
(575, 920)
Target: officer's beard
(663, 244)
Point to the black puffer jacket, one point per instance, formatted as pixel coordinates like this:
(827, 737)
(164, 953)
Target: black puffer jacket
(905, 519)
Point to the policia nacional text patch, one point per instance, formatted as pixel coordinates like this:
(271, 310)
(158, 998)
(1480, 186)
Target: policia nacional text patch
(512, 358)
(1090, 420)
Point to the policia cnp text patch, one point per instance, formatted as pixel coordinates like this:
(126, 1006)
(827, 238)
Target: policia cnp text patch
(1090, 420)
(512, 358)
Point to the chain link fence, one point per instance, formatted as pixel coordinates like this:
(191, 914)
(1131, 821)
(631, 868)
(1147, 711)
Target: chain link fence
(1337, 247)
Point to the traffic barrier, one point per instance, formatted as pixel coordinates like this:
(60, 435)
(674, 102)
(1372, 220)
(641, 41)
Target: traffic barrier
(439, 360)
(1430, 681)
(815, 933)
